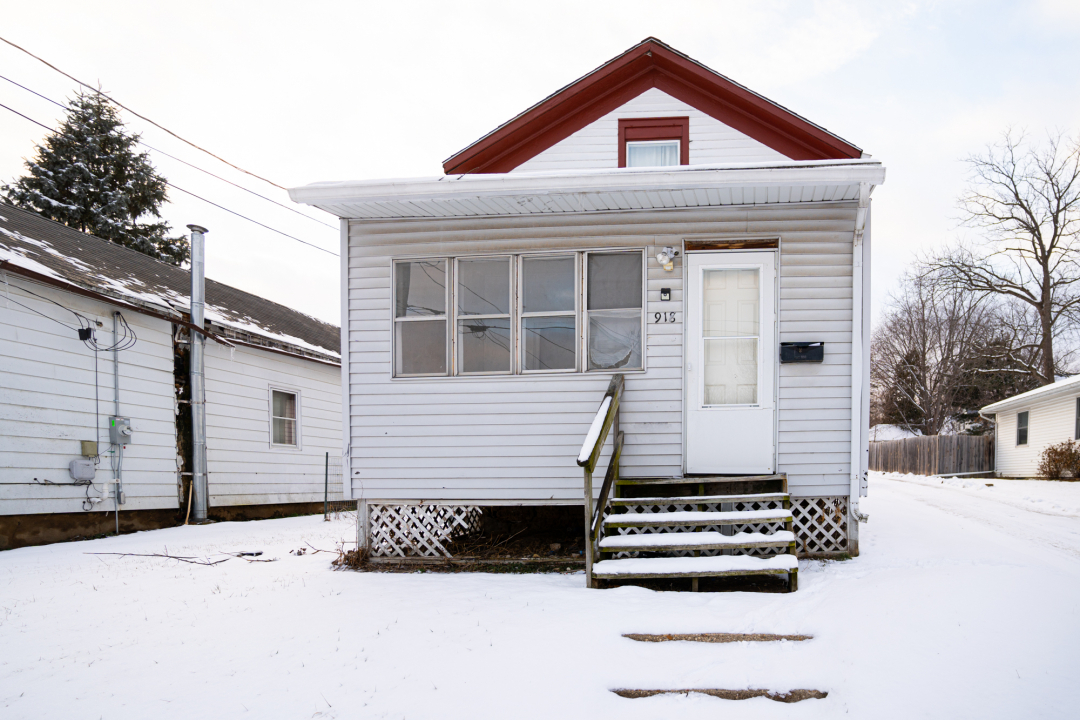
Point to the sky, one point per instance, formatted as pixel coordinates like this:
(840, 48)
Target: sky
(314, 91)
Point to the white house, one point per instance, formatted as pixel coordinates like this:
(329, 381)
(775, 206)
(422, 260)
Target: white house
(654, 221)
(273, 389)
(1029, 422)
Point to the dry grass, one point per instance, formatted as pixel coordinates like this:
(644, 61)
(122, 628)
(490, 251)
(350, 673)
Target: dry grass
(718, 637)
(791, 696)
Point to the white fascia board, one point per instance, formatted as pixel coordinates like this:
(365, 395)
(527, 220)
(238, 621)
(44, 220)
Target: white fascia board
(1058, 390)
(817, 172)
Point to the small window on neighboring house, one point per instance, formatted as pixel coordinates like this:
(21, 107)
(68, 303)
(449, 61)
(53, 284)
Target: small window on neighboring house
(1076, 435)
(283, 418)
(1022, 428)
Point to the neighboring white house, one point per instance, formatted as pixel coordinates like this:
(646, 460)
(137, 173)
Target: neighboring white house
(1026, 424)
(273, 389)
(655, 220)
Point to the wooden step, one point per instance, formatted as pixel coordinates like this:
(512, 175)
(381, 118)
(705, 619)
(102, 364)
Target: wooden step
(697, 519)
(697, 480)
(663, 542)
(718, 566)
(701, 499)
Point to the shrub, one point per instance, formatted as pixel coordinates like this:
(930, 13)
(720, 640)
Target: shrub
(1061, 460)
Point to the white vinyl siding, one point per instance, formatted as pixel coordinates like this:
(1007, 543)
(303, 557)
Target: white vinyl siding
(596, 145)
(515, 438)
(47, 404)
(1049, 422)
(244, 467)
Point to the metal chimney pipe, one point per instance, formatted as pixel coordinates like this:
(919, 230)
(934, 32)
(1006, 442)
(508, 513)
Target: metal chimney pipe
(199, 488)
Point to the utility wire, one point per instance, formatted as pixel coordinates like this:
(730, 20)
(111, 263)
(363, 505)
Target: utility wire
(142, 117)
(196, 167)
(198, 197)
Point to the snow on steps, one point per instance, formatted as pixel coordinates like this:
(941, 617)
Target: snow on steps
(696, 518)
(702, 499)
(698, 480)
(695, 566)
(665, 542)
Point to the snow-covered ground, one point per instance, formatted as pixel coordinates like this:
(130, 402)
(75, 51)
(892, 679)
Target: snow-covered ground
(964, 603)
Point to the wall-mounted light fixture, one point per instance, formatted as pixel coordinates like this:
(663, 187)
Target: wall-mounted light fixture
(666, 258)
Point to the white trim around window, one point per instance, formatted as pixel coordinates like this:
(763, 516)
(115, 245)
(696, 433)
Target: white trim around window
(283, 428)
(559, 326)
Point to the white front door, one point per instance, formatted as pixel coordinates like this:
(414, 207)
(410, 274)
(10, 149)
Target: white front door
(731, 357)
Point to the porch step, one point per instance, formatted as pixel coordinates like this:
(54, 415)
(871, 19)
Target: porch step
(698, 479)
(697, 519)
(720, 565)
(702, 499)
(663, 542)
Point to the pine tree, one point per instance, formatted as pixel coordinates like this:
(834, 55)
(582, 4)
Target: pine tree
(89, 176)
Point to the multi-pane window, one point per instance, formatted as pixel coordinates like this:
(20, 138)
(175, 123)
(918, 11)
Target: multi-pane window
(283, 418)
(1022, 428)
(420, 299)
(562, 312)
(731, 306)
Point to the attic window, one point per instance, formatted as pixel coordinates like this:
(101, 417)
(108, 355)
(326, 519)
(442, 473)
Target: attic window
(653, 142)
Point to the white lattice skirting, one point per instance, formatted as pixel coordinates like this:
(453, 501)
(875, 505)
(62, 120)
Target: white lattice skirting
(417, 530)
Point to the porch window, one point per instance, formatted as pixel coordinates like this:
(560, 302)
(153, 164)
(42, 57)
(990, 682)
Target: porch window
(549, 335)
(1022, 428)
(516, 314)
(420, 301)
(613, 310)
(731, 308)
(283, 418)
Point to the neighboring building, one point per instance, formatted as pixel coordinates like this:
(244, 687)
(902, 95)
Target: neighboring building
(652, 219)
(273, 390)
(1026, 424)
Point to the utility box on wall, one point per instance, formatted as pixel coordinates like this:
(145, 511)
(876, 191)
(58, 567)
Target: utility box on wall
(120, 430)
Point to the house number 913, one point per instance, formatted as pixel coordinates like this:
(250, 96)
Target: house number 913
(664, 317)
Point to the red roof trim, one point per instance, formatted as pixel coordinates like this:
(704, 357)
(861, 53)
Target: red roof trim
(649, 64)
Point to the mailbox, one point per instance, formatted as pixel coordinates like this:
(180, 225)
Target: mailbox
(802, 352)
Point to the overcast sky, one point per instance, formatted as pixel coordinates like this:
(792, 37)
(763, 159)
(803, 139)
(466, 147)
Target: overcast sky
(303, 92)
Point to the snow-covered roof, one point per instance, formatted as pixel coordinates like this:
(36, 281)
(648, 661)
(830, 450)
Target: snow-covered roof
(31, 242)
(1066, 387)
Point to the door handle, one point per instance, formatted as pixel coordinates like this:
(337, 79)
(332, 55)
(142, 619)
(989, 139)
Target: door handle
(689, 367)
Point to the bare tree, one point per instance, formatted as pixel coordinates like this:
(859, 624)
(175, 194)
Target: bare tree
(924, 352)
(1026, 200)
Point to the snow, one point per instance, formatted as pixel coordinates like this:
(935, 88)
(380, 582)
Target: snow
(698, 538)
(700, 517)
(883, 432)
(672, 565)
(962, 604)
(594, 431)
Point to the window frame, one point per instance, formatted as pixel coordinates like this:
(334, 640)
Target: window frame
(1026, 427)
(295, 392)
(580, 315)
(655, 128)
(1076, 435)
(445, 317)
(519, 322)
(509, 316)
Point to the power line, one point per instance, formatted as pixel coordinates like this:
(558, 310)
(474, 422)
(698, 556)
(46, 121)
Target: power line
(196, 167)
(142, 117)
(198, 197)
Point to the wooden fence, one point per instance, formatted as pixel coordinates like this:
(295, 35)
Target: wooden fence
(934, 454)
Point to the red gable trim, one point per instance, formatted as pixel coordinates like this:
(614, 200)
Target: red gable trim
(665, 128)
(650, 64)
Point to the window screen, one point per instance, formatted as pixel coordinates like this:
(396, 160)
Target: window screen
(549, 313)
(1022, 428)
(283, 418)
(420, 317)
(483, 308)
(613, 310)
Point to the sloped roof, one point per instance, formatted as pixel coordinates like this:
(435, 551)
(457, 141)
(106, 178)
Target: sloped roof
(651, 63)
(1061, 388)
(37, 244)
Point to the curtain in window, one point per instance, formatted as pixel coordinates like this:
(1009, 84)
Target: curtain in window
(652, 154)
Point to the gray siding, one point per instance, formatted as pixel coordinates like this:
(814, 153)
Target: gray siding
(47, 404)
(516, 437)
(243, 467)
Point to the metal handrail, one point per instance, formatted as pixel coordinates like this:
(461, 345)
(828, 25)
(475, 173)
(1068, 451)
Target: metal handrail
(607, 417)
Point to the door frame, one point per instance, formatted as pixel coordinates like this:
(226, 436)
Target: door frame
(738, 244)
